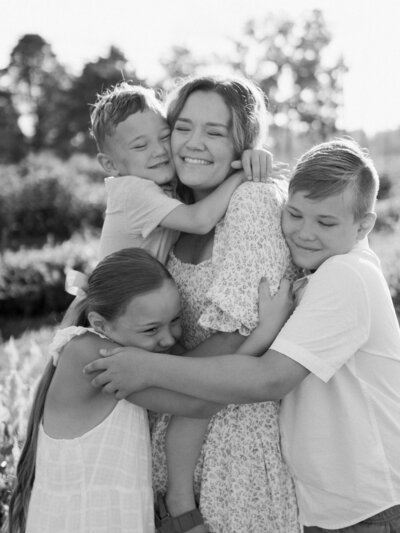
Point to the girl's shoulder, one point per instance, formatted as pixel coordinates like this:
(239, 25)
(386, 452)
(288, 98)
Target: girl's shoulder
(79, 345)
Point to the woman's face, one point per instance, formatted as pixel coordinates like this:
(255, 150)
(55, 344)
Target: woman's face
(202, 143)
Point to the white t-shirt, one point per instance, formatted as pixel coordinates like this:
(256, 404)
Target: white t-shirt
(340, 427)
(135, 208)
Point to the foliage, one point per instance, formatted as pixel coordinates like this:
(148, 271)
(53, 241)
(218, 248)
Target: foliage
(12, 144)
(36, 81)
(74, 111)
(22, 362)
(32, 281)
(44, 196)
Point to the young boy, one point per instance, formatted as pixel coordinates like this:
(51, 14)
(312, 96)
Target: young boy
(335, 363)
(133, 140)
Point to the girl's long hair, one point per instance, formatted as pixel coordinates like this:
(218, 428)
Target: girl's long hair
(18, 507)
(114, 282)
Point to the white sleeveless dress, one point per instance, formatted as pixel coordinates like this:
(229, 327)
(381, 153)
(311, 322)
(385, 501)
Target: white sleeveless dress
(99, 482)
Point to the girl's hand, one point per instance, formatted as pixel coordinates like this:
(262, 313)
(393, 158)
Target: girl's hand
(122, 371)
(274, 309)
(258, 166)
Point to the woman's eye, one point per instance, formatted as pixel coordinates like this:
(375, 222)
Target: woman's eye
(139, 146)
(181, 128)
(176, 320)
(294, 215)
(215, 133)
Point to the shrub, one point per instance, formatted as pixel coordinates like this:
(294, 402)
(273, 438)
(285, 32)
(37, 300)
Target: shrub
(32, 281)
(46, 196)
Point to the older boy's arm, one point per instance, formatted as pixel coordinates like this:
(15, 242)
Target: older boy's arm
(223, 379)
(203, 216)
(229, 378)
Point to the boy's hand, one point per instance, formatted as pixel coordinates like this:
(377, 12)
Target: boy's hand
(274, 309)
(122, 371)
(258, 166)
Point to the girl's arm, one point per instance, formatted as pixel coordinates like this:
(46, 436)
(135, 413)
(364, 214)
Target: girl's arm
(174, 403)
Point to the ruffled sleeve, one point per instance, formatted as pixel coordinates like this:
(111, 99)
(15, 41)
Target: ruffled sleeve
(248, 245)
(63, 336)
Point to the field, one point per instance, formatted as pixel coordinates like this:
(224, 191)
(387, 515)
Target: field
(24, 338)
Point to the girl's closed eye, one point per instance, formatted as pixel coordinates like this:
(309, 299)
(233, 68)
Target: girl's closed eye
(151, 331)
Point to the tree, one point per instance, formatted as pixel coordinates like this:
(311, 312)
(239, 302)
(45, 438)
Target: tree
(288, 60)
(36, 81)
(73, 130)
(12, 142)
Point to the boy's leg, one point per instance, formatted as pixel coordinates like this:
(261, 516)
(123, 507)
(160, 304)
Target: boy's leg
(385, 522)
(183, 445)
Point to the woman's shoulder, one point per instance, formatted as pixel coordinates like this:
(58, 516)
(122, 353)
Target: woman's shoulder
(260, 193)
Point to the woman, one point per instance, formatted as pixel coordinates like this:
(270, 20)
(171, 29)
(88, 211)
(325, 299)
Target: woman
(245, 486)
(242, 483)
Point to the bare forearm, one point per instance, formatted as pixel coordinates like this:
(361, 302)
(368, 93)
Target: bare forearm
(224, 379)
(208, 211)
(217, 344)
(175, 403)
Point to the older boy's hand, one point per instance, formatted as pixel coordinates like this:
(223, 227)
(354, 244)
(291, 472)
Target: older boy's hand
(122, 371)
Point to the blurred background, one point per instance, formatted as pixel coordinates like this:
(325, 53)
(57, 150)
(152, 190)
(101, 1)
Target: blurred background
(327, 68)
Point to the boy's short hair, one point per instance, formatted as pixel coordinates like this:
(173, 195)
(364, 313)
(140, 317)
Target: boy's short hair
(116, 104)
(330, 167)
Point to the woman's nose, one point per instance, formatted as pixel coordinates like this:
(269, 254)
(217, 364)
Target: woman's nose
(195, 140)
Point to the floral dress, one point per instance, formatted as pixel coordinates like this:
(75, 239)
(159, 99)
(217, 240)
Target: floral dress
(242, 483)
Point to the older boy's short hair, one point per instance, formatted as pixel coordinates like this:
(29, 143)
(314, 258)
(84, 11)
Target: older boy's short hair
(329, 168)
(115, 105)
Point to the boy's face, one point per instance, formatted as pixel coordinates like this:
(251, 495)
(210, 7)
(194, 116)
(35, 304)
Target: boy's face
(318, 229)
(140, 146)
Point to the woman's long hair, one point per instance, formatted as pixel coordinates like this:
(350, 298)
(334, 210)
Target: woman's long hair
(114, 282)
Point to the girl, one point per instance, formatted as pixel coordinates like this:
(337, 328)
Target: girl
(92, 455)
(86, 466)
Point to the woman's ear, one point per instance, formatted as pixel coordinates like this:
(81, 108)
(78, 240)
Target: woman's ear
(97, 322)
(366, 225)
(107, 163)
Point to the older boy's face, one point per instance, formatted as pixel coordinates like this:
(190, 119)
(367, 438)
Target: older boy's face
(140, 146)
(318, 229)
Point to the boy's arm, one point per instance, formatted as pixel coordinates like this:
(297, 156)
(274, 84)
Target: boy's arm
(224, 379)
(202, 217)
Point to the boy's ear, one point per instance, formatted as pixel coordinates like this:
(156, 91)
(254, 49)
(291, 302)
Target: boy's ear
(107, 163)
(365, 225)
(97, 322)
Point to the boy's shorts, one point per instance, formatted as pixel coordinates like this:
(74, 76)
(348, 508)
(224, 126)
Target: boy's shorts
(385, 522)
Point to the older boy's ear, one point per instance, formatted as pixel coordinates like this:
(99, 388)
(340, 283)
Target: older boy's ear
(97, 322)
(107, 163)
(366, 225)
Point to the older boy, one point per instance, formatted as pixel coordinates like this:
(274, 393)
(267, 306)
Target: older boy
(335, 363)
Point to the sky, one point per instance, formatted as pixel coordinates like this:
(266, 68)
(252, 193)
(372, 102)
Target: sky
(365, 32)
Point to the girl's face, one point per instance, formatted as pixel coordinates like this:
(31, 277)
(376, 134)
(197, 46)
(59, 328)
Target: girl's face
(151, 321)
(202, 143)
